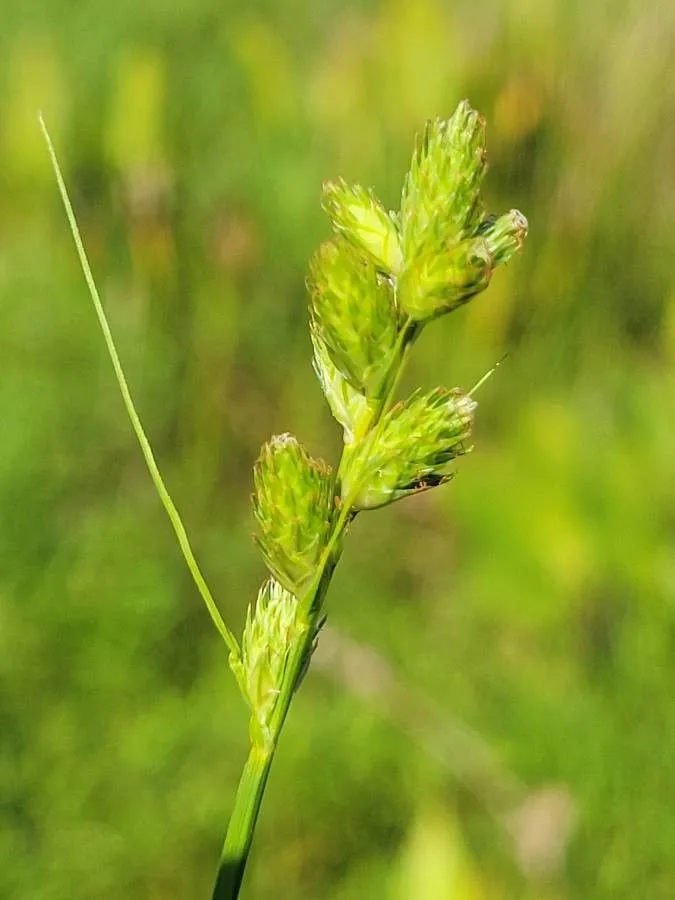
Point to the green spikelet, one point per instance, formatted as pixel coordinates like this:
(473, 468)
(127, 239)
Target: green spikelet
(358, 216)
(441, 192)
(505, 235)
(349, 406)
(294, 506)
(271, 629)
(450, 249)
(415, 443)
(353, 312)
(440, 280)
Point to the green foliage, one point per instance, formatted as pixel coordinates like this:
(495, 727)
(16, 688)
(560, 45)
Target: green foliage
(532, 600)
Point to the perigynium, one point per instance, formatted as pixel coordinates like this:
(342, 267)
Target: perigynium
(373, 288)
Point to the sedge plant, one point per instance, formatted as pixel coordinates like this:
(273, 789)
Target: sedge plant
(380, 279)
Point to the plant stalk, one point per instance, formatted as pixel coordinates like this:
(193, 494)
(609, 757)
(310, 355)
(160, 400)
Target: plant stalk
(253, 780)
(256, 771)
(146, 449)
(242, 824)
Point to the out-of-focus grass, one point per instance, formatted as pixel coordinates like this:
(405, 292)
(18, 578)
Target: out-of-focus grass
(533, 599)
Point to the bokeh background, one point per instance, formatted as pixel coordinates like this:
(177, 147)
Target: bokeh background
(491, 713)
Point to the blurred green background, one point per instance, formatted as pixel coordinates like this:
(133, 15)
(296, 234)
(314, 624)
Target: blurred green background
(491, 712)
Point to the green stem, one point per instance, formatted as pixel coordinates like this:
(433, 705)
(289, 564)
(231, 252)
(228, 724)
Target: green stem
(256, 771)
(146, 449)
(242, 823)
(253, 780)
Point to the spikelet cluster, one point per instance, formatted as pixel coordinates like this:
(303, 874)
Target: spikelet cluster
(450, 246)
(386, 270)
(380, 279)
